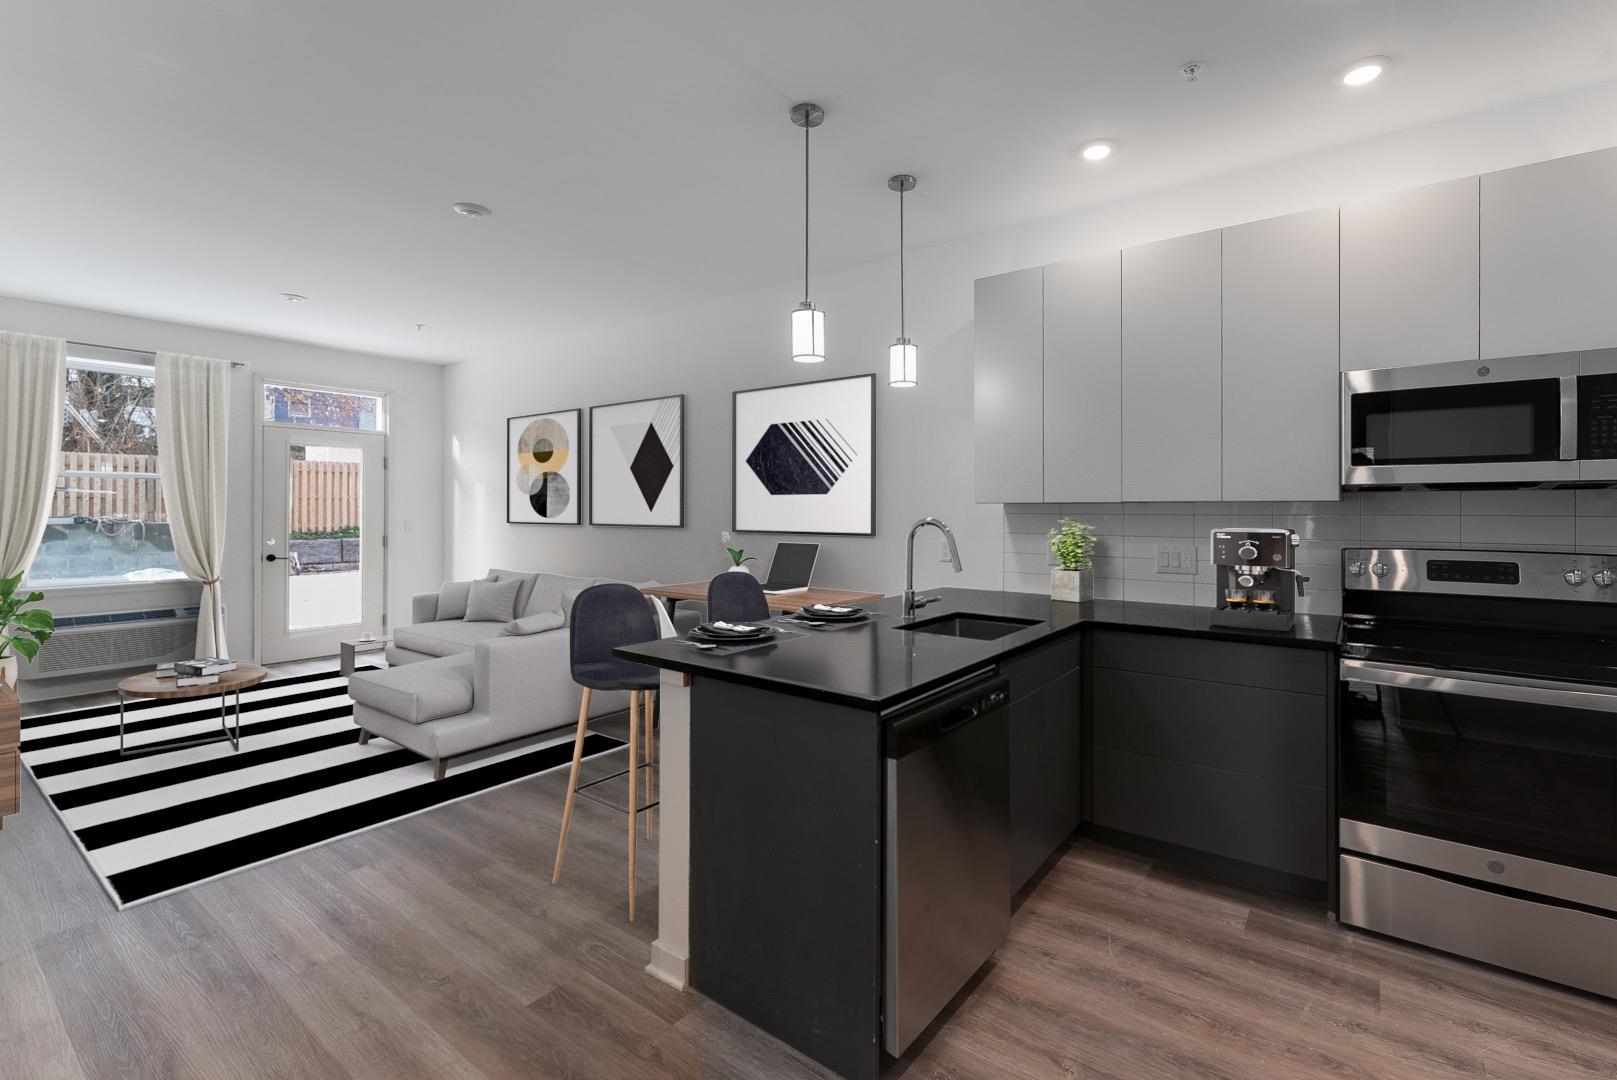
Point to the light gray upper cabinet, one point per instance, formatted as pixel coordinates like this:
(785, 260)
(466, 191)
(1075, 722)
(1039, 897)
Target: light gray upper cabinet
(1083, 380)
(1409, 277)
(1549, 256)
(1009, 323)
(1281, 374)
(1172, 428)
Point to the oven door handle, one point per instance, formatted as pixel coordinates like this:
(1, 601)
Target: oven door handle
(1501, 687)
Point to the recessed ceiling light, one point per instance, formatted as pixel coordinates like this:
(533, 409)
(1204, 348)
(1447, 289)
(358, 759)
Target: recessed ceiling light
(471, 209)
(1097, 149)
(1362, 72)
(294, 298)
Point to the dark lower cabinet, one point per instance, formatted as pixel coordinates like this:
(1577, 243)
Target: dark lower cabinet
(1045, 769)
(1214, 750)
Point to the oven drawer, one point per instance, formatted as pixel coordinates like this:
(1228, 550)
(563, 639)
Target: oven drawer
(1565, 945)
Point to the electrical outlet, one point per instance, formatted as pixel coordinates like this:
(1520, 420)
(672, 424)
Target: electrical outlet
(1176, 559)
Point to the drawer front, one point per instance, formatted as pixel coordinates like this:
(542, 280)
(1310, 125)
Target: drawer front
(10, 782)
(1263, 822)
(1278, 667)
(1036, 668)
(1241, 729)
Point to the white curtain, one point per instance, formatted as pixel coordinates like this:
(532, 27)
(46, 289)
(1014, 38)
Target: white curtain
(193, 421)
(33, 380)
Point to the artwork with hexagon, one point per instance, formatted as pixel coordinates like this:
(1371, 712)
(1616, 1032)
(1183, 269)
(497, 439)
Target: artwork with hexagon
(542, 454)
(636, 474)
(804, 457)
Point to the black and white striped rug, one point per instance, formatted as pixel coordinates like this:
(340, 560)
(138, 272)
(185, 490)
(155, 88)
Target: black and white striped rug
(155, 824)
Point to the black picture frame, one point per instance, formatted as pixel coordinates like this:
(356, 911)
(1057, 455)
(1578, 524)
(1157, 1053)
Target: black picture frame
(680, 523)
(508, 481)
(736, 458)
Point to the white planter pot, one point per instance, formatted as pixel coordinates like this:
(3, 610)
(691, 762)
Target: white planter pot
(8, 670)
(1073, 586)
(737, 569)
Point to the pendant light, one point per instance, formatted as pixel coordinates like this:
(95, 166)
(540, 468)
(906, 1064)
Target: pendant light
(808, 321)
(901, 356)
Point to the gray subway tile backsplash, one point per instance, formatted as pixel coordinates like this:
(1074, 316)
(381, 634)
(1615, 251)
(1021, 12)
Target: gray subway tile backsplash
(1129, 534)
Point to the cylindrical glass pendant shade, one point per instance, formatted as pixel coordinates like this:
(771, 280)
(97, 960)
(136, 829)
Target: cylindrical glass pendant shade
(808, 334)
(901, 363)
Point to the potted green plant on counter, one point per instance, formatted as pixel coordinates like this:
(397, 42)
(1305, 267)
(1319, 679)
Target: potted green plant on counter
(738, 558)
(23, 629)
(1073, 578)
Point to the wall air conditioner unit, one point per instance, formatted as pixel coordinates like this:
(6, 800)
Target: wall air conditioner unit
(116, 639)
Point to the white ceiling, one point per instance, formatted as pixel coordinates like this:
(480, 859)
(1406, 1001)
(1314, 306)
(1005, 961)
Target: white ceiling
(190, 160)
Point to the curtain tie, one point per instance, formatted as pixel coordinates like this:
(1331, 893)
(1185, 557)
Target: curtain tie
(210, 581)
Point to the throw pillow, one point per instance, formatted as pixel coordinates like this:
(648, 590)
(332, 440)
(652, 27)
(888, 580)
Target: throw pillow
(535, 624)
(452, 599)
(527, 580)
(492, 601)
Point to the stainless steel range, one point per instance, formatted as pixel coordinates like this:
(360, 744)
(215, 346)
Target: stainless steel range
(1477, 756)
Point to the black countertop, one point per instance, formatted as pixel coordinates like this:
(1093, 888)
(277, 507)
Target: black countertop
(881, 664)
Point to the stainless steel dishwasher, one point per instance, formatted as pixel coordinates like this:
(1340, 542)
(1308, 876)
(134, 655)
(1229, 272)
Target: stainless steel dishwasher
(947, 907)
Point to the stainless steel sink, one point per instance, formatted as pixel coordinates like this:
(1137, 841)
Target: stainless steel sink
(964, 624)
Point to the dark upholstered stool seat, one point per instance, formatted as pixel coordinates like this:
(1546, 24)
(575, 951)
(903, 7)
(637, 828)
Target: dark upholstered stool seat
(733, 597)
(604, 618)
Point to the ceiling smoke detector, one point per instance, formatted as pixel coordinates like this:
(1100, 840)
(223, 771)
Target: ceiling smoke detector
(1190, 71)
(471, 209)
(294, 298)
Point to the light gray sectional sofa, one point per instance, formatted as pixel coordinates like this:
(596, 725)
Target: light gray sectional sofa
(456, 685)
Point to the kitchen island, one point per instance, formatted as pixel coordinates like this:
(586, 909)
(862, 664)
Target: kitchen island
(774, 840)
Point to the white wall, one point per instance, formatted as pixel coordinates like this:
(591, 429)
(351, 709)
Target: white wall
(924, 436)
(415, 480)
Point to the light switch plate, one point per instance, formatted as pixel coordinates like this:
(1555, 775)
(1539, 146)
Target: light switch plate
(1176, 559)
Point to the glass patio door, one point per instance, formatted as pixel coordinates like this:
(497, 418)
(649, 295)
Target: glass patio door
(321, 555)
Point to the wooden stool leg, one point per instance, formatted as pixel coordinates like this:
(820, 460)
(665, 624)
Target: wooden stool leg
(634, 785)
(651, 754)
(572, 783)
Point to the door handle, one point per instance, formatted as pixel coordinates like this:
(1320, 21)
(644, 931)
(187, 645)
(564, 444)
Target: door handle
(271, 557)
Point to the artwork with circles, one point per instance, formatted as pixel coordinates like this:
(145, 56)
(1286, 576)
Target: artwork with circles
(542, 452)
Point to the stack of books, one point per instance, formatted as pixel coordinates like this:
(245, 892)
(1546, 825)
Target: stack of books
(199, 672)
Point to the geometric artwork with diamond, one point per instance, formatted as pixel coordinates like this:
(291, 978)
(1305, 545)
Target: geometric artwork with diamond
(801, 457)
(804, 459)
(634, 470)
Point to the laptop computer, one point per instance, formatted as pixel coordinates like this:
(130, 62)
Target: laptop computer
(792, 568)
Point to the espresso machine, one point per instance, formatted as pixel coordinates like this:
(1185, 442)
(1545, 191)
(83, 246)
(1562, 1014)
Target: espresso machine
(1257, 586)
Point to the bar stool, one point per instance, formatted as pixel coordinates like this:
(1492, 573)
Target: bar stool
(604, 618)
(733, 597)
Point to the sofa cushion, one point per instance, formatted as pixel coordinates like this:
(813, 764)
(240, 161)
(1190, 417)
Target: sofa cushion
(549, 592)
(445, 638)
(452, 599)
(524, 592)
(535, 624)
(417, 693)
(493, 601)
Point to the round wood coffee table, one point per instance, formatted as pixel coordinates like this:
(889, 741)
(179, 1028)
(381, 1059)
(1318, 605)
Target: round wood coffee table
(148, 685)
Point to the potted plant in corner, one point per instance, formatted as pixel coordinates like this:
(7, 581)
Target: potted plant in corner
(23, 629)
(737, 562)
(1072, 543)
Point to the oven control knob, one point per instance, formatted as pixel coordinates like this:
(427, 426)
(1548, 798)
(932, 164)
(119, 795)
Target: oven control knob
(1604, 578)
(1573, 577)
(1380, 569)
(1357, 568)
(1247, 552)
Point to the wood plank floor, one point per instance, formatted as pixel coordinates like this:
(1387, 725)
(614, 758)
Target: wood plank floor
(437, 948)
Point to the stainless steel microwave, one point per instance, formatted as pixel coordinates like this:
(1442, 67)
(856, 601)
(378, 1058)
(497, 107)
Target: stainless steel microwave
(1521, 421)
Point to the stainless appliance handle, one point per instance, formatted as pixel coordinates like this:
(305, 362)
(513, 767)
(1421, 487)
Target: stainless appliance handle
(1569, 417)
(1473, 684)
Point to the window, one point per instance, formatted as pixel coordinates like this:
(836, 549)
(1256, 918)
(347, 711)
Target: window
(322, 408)
(107, 522)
